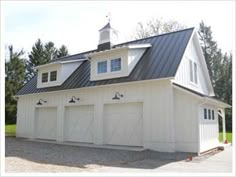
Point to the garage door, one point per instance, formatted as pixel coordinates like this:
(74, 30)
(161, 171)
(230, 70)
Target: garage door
(46, 123)
(79, 124)
(123, 124)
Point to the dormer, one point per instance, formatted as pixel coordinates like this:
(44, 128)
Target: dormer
(108, 36)
(55, 73)
(116, 62)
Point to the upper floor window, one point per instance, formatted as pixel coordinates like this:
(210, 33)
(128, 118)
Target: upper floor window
(193, 71)
(102, 67)
(205, 113)
(209, 114)
(53, 76)
(116, 65)
(44, 77)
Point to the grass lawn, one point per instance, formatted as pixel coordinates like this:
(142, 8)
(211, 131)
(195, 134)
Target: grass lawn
(228, 136)
(10, 130)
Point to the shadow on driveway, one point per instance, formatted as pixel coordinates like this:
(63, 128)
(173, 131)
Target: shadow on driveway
(75, 156)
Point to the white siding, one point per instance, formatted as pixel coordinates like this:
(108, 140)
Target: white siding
(156, 97)
(186, 118)
(182, 76)
(209, 129)
(63, 72)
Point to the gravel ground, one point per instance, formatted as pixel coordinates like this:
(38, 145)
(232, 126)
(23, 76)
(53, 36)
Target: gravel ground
(28, 156)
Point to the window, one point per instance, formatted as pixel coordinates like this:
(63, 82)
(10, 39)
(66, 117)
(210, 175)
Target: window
(116, 65)
(213, 115)
(44, 77)
(53, 76)
(193, 71)
(102, 67)
(209, 114)
(205, 113)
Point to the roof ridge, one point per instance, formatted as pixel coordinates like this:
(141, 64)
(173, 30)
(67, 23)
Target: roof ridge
(155, 36)
(126, 42)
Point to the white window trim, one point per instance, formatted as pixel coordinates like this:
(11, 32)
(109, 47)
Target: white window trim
(208, 108)
(193, 73)
(42, 78)
(99, 74)
(50, 76)
(108, 67)
(120, 65)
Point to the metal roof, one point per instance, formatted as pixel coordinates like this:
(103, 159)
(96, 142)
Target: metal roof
(159, 61)
(210, 98)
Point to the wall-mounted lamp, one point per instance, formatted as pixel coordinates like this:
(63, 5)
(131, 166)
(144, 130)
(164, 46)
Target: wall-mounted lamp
(73, 99)
(117, 96)
(40, 103)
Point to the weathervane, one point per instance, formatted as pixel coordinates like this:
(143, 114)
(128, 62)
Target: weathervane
(108, 16)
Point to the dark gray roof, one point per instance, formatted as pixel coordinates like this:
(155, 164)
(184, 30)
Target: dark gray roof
(202, 95)
(72, 57)
(159, 61)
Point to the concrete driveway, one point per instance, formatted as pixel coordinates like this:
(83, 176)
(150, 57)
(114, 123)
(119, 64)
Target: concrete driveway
(27, 156)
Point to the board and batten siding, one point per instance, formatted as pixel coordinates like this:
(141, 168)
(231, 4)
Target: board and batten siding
(209, 129)
(186, 122)
(182, 76)
(156, 97)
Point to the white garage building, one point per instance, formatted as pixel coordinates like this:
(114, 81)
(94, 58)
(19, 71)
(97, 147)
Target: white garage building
(153, 93)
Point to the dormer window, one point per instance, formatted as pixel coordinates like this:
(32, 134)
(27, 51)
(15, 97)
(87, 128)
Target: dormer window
(115, 64)
(44, 77)
(102, 67)
(53, 76)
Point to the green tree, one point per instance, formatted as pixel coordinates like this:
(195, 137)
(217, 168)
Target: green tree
(62, 51)
(50, 52)
(42, 54)
(156, 26)
(219, 67)
(14, 79)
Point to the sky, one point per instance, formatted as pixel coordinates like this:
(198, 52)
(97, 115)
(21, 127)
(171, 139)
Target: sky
(76, 23)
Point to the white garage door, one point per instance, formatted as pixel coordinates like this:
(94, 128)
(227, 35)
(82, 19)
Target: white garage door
(46, 123)
(79, 124)
(123, 124)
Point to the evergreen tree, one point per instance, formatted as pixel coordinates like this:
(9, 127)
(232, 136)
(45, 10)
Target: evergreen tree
(42, 54)
(62, 51)
(50, 52)
(220, 69)
(14, 79)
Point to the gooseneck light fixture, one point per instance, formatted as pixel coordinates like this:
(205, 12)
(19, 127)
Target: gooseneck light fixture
(73, 99)
(40, 103)
(117, 96)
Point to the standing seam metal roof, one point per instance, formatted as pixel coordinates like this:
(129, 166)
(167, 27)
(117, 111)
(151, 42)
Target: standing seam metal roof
(159, 61)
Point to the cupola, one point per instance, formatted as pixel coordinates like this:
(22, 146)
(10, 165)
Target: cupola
(107, 37)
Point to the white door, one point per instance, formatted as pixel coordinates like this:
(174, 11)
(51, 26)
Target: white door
(46, 123)
(123, 124)
(79, 124)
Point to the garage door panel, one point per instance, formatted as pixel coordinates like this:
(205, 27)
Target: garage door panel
(123, 124)
(79, 124)
(46, 123)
